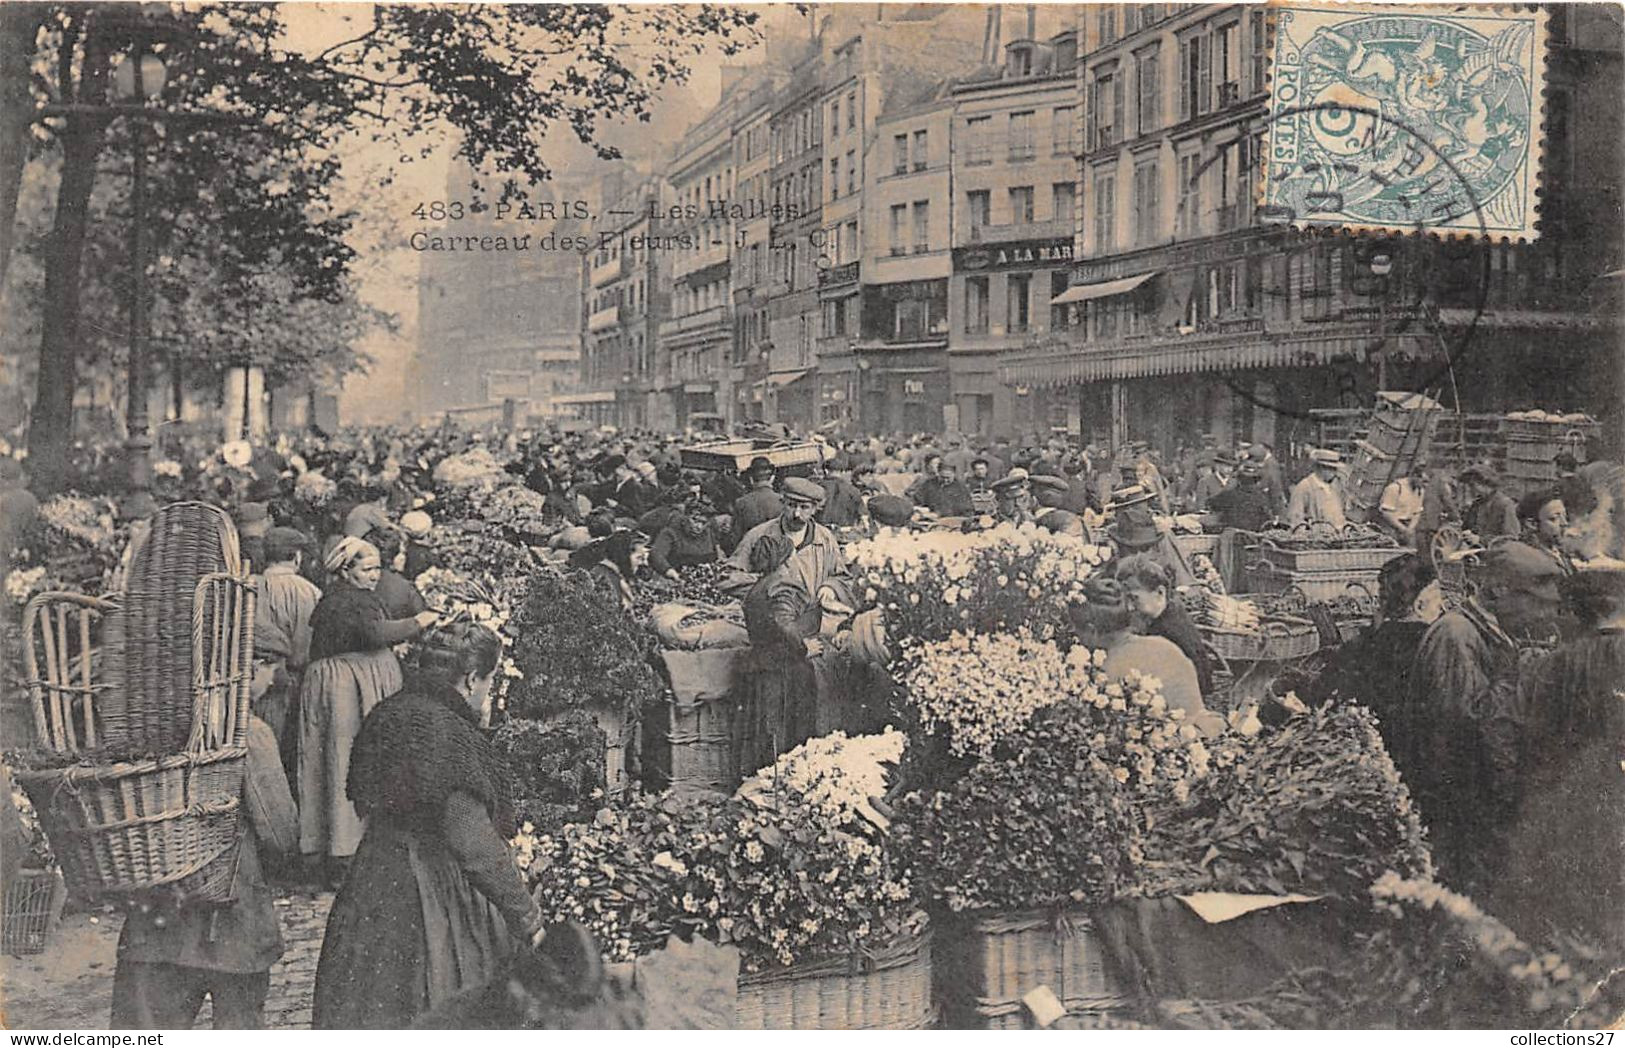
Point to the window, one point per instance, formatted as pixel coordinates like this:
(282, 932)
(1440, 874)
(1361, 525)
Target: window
(979, 205)
(1021, 204)
(1063, 197)
(921, 151)
(851, 171)
(922, 226)
(916, 318)
(1021, 135)
(1189, 219)
(899, 216)
(834, 316)
(1057, 286)
(851, 110)
(1314, 273)
(1020, 302)
(1105, 211)
(1106, 24)
(1106, 107)
(899, 162)
(834, 177)
(835, 118)
(1064, 130)
(849, 241)
(1226, 58)
(1260, 51)
(1145, 202)
(976, 294)
(1021, 61)
(1195, 76)
(1148, 108)
(979, 140)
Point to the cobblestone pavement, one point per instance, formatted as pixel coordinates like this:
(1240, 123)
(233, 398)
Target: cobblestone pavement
(70, 985)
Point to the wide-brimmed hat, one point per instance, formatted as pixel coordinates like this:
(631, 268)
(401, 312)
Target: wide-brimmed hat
(611, 463)
(799, 489)
(1129, 495)
(1249, 468)
(1325, 457)
(1017, 477)
(1134, 532)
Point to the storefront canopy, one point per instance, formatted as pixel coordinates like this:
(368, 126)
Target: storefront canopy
(606, 396)
(780, 379)
(1104, 289)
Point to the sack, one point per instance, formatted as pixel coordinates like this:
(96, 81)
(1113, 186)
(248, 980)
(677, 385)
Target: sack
(704, 676)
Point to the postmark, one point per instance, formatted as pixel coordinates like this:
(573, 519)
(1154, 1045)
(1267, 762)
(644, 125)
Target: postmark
(1387, 119)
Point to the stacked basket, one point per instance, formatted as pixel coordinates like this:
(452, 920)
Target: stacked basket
(989, 962)
(1402, 427)
(1534, 439)
(138, 782)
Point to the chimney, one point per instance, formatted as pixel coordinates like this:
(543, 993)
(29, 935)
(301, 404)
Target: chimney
(1032, 21)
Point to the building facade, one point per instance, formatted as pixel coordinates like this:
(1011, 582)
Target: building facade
(777, 377)
(1181, 294)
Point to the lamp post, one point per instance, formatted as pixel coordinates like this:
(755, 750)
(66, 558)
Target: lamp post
(137, 79)
(1382, 263)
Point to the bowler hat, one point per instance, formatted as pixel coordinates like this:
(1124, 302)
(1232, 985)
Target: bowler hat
(1129, 495)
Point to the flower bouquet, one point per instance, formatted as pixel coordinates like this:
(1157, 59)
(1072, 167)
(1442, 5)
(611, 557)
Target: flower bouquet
(837, 775)
(80, 542)
(932, 584)
(576, 648)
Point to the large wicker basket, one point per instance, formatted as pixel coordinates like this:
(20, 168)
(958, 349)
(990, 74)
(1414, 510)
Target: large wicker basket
(885, 989)
(690, 741)
(1275, 640)
(1368, 558)
(150, 636)
(120, 822)
(30, 905)
(989, 962)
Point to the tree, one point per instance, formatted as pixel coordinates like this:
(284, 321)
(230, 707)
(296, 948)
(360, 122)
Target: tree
(502, 76)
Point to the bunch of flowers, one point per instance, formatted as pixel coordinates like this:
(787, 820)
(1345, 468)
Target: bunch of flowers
(575, 647)
(315, 488)
(975, 689)
(932, 584)
(470, 547)
(86, 520)
(513, 507)
(459, 597)
(557, 768)
(833, 774)
(1314, 805)
(80, 542)
(1044, 822)
(21, 585)
(1153, 752)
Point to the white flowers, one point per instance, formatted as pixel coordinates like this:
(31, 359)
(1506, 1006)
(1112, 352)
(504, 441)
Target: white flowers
(20, 585)
(834, 774)
(237, 453)
(167, 468)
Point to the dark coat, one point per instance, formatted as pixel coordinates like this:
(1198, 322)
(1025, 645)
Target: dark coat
(347, 619)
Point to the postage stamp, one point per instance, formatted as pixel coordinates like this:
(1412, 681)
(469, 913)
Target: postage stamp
(1401, 118)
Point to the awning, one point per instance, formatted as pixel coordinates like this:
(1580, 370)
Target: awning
(606, 396)
(780, 379)
(1086, 292)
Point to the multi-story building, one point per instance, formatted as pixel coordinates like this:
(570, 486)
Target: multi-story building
(883, 330)
(1181, 295)
(626, 300)
(778, 383)
(752, 206)
(696, 340)
(498, 326)
(1014, 196)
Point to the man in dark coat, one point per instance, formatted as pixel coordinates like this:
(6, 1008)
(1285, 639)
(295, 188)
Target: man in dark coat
(761, 504)
(170, 958)
(1491, 512)
(943, 493)
(1244, 505)
(843, 502)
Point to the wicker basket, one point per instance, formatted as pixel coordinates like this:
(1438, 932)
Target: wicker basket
(691, 746)
(884, 989)
(988, 963)
(1275, 640)
(1334, 559)
(1197, 545)
(30, 904)
(1315, 586)
(171, 822)
(1513, 429)
(150, 707)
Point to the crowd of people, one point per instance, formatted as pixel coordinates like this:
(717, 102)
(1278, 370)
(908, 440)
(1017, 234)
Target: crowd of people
(375, 777)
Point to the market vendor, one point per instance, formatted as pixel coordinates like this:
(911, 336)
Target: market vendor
(1244, 505)
(843, 502)
(689, 539)
(1149, 586)
(983, 499)
(818, 559)
(1318, 498)
(1014, 495)
(1491, 513)
(1400, 509)
(1545, 521)
(1134, 530)
(783, 618)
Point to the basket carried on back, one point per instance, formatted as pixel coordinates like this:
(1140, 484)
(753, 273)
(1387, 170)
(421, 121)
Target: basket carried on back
(122, 819)
(150, 707)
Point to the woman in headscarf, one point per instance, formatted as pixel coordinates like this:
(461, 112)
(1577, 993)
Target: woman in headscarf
(616, 561)
(433, 905)
(351, 670)
(1104, 621)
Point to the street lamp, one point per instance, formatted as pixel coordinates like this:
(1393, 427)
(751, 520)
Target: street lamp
(1382, 263)
(137, 80)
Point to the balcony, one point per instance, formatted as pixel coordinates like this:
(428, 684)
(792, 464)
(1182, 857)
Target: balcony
(716, 317)
(607, 272)
(604, 319)
(845, 273)
(705, 255)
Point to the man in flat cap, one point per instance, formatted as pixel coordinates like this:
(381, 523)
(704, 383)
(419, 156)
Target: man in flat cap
(1014, 495)
(818, 558)
(1318, 498)
(1462, 753)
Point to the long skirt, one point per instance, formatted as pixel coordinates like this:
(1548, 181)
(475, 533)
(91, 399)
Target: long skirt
(338, 693)
(407, 932)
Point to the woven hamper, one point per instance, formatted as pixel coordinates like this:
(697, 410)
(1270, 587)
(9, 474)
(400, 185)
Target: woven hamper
(988, 963)
(25, 925)
(692, 735)
(150, 708)
(122, 822)
(885, 989)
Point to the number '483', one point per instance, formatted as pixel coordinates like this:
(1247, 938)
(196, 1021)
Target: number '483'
(438, 211)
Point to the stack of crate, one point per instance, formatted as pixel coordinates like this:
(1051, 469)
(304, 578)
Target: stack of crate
(1402, 427)
(1533, 441)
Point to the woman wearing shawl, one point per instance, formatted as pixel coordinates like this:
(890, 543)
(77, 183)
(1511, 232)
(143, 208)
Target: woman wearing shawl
(433, 904)
(351, 670)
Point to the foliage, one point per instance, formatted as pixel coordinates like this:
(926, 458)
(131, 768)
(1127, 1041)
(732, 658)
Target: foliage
(576, 647)
(557, 767)
(932, 584)
(1043, 823)
(1312, 806)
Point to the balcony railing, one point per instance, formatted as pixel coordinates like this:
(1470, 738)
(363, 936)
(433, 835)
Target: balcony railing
(715, 316)
(604, 318)
(603, 274)
(1047, 229)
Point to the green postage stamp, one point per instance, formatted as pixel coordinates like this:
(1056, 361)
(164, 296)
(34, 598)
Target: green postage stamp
(1406, 119)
